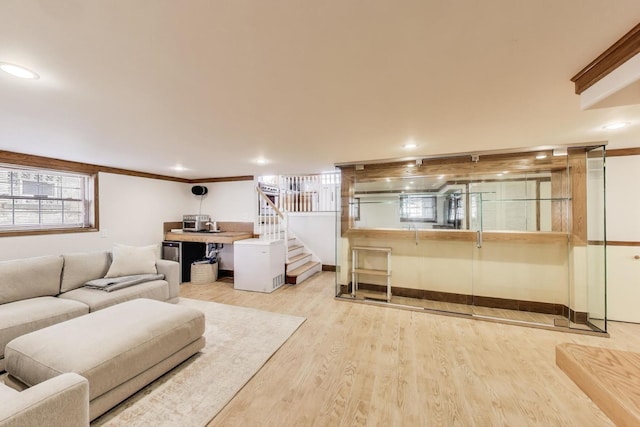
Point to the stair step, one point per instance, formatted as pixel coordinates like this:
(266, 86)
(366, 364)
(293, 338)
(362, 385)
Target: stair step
(609, 377)
(297, 261)
(294, 250)
(302, 273)
(297, 258)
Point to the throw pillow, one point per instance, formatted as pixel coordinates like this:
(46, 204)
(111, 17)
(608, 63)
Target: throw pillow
(79, 268)
(129, 260)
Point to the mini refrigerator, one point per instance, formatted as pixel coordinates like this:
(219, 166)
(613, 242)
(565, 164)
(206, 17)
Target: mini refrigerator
(258, 264)
(184, 253)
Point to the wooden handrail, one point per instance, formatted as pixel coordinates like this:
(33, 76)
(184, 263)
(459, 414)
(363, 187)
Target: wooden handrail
(270, 203)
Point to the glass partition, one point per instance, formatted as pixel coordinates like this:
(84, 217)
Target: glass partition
(522, 277)
(515, 202)
(596, 240)
(486, 235)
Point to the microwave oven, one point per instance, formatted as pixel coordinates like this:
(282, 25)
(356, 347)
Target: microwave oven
(195, 222)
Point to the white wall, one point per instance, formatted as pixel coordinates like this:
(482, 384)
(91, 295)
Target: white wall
(317, 230)
(132, 211)
(228, 201)
(523, 271)
(623, 225)
(623, 198)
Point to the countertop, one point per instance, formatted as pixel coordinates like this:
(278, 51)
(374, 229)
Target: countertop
(221, 237)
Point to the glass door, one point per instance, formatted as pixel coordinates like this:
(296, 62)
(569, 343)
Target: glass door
(421, 217)
(596, 292)
(520, 256)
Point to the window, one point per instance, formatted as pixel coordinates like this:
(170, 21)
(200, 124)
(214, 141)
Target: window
(37, 199)
(417, 208)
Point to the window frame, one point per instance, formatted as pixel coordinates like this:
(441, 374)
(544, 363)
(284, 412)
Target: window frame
(91, 220)
(404, 197)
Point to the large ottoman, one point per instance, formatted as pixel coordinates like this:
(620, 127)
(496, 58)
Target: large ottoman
(119, 349)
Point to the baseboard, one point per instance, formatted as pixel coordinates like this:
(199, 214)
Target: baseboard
(225, 273)
(326, 267)
(481, 301)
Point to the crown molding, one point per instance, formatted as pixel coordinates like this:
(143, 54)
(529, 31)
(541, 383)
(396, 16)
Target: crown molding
(621, 51)
(31, 160)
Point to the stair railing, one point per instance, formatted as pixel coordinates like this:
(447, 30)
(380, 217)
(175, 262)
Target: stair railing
(309, 193)
(271, 222)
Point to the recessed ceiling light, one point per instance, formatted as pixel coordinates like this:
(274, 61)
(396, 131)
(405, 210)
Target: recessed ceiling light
(541, 156)
(410, 145)
(410, 165)
(505, 172)
(499, 174)
(178, 168)
(261, 161)
(407, 187)
(388, 179)
(18, 71)
(613, 126)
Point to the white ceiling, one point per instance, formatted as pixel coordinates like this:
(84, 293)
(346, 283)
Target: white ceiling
(213, 85)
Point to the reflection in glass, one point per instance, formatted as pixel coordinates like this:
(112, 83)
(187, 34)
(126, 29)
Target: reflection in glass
(517, 202)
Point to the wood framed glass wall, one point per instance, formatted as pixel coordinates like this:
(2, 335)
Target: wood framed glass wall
(490, 235)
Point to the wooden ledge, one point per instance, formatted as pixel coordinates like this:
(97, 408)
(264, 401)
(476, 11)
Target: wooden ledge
(611, 378)
(223, 237)
(460, 235)
(371, 248)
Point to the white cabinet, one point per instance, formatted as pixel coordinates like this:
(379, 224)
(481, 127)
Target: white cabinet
(258, 264)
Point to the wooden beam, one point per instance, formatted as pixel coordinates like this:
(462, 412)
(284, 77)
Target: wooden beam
(621, 51)
(624, 152)
(221, 179)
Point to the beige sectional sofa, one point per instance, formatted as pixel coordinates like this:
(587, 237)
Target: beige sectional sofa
(62, 401)
(39, 292)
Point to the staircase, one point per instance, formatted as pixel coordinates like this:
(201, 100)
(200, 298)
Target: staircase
(300, 265)
(299, 261)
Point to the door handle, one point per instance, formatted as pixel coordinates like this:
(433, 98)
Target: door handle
(479, 239)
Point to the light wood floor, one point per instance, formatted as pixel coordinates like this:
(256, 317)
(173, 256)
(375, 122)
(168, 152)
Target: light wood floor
(357, 364)
(466, 309)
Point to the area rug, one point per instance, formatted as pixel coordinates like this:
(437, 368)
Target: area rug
(239, 342)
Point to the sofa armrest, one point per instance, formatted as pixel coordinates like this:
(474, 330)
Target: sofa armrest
(62, 401)
(171, 271)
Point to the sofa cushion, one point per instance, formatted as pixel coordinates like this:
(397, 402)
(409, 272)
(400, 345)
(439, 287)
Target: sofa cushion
(7, 392)
(130, 260)
(79, 268)
(97, 299)
(30, 278)
(21, 317)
